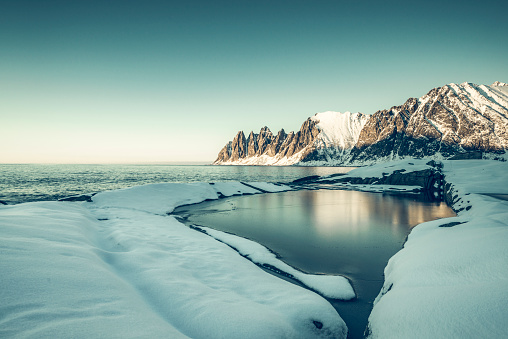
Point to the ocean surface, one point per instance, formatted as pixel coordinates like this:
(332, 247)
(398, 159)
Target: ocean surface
(28, 182)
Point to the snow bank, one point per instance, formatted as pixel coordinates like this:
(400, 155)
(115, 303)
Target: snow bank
(55, 283)
(336, 287)
(121, 267)
(164, 198)
(451, 278)
(156, 198)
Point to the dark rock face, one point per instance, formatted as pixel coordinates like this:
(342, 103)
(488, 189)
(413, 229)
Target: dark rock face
(83, 197)
(238, 147)
(252, 144)
(274, 147)
(264, 140)
(303, 138)
(427, 179)
(225, 153)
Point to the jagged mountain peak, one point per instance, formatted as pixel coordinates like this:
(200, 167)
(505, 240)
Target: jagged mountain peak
(264, 130)
(499, 84)
(455, 120)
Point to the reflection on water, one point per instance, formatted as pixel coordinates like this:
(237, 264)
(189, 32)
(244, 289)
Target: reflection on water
(327, 231)
(323, 231)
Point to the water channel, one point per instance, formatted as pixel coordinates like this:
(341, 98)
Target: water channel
(348, 233)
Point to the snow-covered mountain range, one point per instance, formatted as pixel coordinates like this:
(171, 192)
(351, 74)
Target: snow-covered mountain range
(453, 121)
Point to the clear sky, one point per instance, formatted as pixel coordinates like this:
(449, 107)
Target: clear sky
(161, 81)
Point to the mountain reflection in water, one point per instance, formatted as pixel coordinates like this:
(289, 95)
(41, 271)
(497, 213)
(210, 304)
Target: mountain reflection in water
(349, 233)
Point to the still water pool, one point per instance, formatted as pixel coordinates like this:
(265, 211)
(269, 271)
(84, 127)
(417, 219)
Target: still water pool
(326, 231)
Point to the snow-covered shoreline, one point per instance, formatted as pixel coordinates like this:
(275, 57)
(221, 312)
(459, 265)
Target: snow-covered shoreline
(120, 266)
(451, 278)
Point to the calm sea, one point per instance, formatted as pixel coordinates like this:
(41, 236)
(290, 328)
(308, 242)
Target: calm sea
(24, 183)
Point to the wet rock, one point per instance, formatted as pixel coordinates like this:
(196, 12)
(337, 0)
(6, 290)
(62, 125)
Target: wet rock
(318, 324)
(82, 197)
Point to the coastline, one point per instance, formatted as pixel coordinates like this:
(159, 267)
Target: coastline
(465, 186)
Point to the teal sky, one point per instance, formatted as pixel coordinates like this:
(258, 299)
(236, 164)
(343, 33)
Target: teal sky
(167, 81)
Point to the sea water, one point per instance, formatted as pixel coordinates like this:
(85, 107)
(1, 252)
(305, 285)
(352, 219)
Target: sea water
(24, 183)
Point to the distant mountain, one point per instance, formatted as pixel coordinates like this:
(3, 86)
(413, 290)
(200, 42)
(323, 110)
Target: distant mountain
(324, 137)
(453, 121)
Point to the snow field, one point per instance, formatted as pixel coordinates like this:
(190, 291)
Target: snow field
(56, 284)
(164, 198)
(121, 267)
(204, 287)
(338, 129)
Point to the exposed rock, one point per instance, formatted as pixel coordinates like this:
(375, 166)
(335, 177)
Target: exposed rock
(264, 139)
(238, 147)
(431, 180)
(274, 148)
(463, 121)
(225, 153)
(82, 197)
(310, 143)
(252, 144)
(455, 121)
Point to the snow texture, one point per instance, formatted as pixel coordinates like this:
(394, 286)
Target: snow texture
(164, 198)
(339, 130)
(451, 278)
(119, 267)
(336, 287)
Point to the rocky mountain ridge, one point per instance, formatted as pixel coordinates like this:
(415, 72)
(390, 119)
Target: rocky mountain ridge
(453, 121)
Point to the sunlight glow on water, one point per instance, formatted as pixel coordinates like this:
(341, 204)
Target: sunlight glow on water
(315, 230)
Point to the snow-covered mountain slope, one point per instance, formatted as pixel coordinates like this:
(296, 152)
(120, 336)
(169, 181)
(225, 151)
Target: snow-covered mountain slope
(450, 121)
(324, 137)
(340, 130)
(453, 121)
